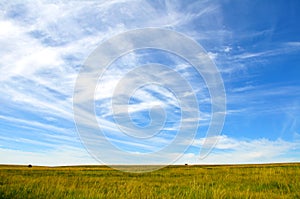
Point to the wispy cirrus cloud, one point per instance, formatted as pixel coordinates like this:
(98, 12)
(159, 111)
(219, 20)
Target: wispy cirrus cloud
(42, 53)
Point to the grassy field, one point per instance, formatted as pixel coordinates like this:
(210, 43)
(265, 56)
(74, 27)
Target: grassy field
(231, 181)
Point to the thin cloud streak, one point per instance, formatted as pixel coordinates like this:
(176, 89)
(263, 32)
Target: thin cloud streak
(43, 51)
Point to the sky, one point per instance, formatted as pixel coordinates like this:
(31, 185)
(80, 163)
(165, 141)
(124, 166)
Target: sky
(254, 45)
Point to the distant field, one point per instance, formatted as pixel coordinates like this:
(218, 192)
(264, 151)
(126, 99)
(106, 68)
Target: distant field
(231, 181)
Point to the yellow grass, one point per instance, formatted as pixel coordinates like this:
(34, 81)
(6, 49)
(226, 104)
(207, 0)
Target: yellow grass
(230, 181)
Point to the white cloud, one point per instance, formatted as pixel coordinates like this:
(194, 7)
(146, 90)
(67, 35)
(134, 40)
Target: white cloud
(212, 55)
(227, 49)
(44, 44)
(58, 157)
(242, 89)
(227, 151)
(230, 150)
(34, 124)
(293, 44)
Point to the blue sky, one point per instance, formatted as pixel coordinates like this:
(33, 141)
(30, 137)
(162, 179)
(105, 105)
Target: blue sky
(254, 44)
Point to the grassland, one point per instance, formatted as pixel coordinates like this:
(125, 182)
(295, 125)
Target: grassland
(231, 181)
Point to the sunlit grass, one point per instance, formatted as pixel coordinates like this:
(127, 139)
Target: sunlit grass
(231, 181)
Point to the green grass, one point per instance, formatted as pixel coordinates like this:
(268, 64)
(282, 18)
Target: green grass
(231, 181)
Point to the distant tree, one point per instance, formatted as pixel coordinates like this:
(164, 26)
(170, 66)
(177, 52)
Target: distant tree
(185, 164)
(29, 166)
